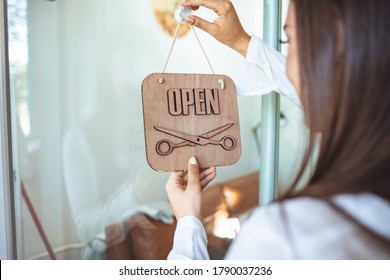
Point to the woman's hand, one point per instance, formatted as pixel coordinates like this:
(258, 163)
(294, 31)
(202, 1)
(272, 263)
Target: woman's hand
(184, 189)
(226, 28)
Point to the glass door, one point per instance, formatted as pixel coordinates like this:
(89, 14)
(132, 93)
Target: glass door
(76, 69)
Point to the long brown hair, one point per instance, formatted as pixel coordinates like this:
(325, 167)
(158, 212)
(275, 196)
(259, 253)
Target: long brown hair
(344, 58)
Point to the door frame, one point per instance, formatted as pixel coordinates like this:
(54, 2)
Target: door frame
(7, 217)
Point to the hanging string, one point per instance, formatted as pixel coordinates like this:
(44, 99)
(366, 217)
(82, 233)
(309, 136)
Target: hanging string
(173, 44)
(200, 44)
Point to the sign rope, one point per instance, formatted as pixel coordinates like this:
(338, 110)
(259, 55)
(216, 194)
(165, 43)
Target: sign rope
(173, 44)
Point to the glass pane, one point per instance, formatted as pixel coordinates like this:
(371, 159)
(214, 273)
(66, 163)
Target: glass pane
(76, 74)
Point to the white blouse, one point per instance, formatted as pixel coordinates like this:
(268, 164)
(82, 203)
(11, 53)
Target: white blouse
(265, 71)
(302, 228)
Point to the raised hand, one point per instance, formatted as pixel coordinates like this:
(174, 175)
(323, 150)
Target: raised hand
(226, 28)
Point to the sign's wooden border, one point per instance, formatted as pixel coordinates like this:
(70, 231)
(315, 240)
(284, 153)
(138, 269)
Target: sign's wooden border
(190, 115)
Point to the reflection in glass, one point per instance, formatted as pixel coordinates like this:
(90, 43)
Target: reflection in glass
(18, 61)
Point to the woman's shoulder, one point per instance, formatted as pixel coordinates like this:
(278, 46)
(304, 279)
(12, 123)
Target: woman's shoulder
(309, 227)
(367, 208)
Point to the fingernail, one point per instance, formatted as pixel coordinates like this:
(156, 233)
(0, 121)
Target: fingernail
(193, 160)
(189, 20)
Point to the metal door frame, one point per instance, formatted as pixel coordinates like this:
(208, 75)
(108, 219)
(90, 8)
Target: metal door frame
(270, 112)
(7, 217)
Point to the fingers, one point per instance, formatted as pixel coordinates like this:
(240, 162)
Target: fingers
(202, 175)
(211, 4)
(175, 180)
(200, 23)
(180, 179)
(206, 176)
(206, 180)
(226, 28)
(193, 174)
(205, 172)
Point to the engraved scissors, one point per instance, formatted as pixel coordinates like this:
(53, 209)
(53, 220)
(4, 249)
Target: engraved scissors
(227, 142)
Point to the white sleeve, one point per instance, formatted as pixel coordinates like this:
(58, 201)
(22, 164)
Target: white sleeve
(190, 241)
(265, 71)
(91, 213)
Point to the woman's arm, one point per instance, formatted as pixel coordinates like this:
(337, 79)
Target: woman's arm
(190, 241)
(91, 213)
(265, 70)
(226, 28)
(184, 192)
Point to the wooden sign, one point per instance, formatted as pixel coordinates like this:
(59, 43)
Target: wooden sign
(190, 115)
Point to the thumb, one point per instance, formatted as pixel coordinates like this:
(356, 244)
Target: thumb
(193, 173)
(200, 23)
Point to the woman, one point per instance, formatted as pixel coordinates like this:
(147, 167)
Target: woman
(339, 64)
